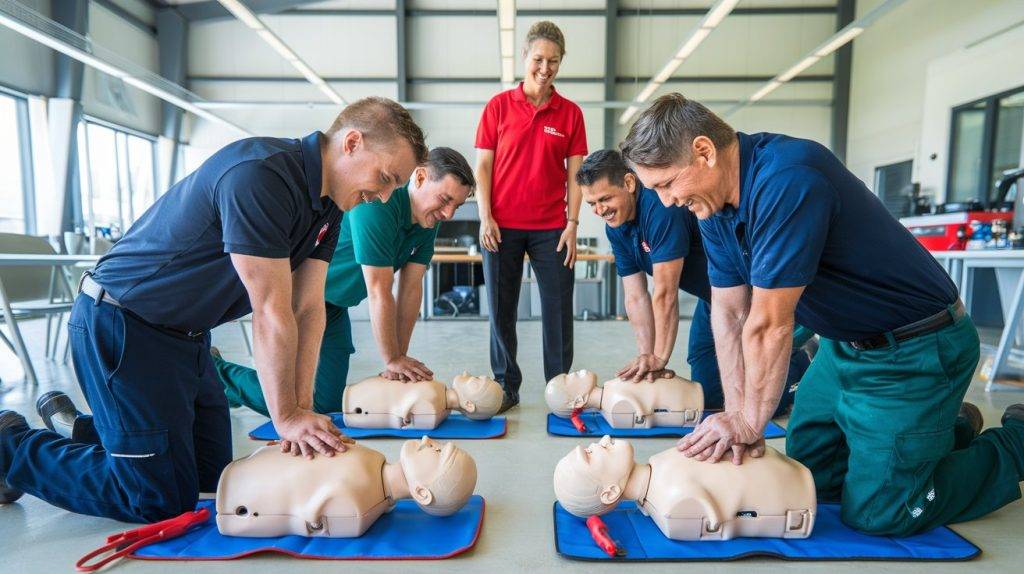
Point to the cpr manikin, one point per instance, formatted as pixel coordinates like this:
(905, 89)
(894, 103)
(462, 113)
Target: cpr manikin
(272, 493)
(771, 496)
(663, 402)
(377, 402)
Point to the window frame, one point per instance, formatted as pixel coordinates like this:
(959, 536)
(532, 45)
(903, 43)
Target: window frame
(28, 195)
(988, 141)
(121, 134)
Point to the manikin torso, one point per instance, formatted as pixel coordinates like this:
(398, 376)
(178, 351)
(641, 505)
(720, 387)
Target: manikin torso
(381, 403)
(770, 496)
(271, 493)
(672, 402)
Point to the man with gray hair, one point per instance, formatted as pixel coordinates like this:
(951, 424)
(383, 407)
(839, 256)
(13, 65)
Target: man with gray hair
(878, 416)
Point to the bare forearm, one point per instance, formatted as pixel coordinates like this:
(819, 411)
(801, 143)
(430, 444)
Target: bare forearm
(310, 325)
(410, 297)
(574, 198)
(275, 340)
(383, 322)
(483, 190)
(666, 322)
(728, 332)
(641, 317)
(766, 350)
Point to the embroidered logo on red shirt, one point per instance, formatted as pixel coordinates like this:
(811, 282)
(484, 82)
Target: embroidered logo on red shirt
(552, 131)
(321, 234)
(647, 248)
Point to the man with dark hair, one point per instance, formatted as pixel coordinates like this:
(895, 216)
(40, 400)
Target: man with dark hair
(253, 229)
(649, 238)
(377, 240)
(791, 235)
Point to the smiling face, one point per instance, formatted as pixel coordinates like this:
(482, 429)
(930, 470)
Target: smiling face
(358, 171)
(435, 200)
(698, 185)
(543, 57)
(590, 480)
(615, 204)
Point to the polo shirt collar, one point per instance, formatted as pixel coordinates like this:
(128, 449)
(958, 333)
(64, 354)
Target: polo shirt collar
(313, 164)
(554, 103)
(746, 158)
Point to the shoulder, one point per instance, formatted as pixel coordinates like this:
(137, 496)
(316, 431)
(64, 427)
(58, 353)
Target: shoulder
(500, 100)
(780, 157)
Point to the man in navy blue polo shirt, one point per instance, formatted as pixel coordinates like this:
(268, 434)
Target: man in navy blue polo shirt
(791, 233)
(252, 229)
(649, 238)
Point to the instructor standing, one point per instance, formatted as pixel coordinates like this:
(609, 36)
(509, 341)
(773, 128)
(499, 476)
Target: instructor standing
(531, 141)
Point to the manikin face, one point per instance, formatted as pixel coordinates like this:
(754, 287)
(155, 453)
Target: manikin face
(564, 393)
(607, 460)
(479, 397)
(542, 61)
(697, 185)
(441, 476)
(361, 173)
(591, 480)
(615, 204)
(434, 201)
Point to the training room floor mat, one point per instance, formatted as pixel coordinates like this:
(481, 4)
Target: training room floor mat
(831, 540)
(405, 533)
(597, 426)
(455, 426)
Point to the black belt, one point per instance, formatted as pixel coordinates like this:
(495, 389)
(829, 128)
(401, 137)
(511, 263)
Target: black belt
(90, 287)
(925, 326)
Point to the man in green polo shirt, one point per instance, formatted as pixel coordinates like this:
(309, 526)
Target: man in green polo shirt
(376, 240)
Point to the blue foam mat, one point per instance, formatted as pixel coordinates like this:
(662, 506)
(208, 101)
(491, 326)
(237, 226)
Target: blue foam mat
(405, 533)
(597, 426)
(455, 426)
(831, 540)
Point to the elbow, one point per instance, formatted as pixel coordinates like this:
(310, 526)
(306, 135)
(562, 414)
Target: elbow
(762, 330)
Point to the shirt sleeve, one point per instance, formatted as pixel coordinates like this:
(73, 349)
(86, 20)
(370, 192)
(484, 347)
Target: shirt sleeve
(722, 271)
(257, 209)
(325, 251)
(424, 250)
(625, 263)
(487, 129)
(375, 239)
(578, 137)
(668, 233)
(791, 216)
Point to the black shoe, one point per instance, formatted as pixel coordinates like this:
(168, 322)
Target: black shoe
(508, 402)
(1015, 412)
(58, 412)
(9, 494)
(973, 416)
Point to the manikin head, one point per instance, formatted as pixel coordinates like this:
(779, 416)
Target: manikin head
(441, 476)
(591, 480)
(564, 393)
(683, 151)
(609, 187)
(479, 397)
(368, 151)
(439, 187)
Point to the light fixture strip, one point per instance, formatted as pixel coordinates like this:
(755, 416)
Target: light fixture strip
(507, 40)
(714, 16)
(250, 19)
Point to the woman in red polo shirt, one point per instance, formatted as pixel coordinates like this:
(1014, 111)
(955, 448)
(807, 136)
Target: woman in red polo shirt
(530, 141)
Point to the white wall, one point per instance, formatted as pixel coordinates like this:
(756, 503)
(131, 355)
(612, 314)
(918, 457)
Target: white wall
(896, 111)
(24, 64)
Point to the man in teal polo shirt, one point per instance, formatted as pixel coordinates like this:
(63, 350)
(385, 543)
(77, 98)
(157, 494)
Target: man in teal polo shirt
(379, 238)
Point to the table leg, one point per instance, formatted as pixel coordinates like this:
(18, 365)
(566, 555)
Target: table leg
(1009, 333)
(19, 343)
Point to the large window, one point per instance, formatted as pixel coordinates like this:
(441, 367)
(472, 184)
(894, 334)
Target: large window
(116, 176)
(987, 138)
(13, 176)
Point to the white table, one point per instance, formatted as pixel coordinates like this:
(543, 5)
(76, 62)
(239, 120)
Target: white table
(35, 260)
(1009, 267)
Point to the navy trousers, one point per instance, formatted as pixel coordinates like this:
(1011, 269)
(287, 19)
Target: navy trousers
(704, 363)
(503, 276)
(160, 431)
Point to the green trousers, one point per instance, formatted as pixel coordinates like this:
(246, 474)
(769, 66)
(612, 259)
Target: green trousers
(242, 386)
(880, 432)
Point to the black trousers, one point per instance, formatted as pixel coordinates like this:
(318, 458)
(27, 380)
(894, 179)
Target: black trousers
(503, 275)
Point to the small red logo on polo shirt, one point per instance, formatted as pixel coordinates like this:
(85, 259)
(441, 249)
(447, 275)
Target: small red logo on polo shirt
(647, 248)
(320, 236)
(552, 131)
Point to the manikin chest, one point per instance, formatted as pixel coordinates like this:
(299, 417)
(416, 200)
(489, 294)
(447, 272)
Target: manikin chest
(661, 403)
(381, 403)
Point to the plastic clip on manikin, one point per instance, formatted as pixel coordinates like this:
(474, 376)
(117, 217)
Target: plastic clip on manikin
(577, 421)
(124, 543)
(599, 532)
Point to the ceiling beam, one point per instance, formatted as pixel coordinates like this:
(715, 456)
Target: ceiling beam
(556, 12)
(213, 10)
(495, 79)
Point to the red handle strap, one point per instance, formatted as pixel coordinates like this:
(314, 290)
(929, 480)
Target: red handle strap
(577, 421)
(599, 532)
(124, 543)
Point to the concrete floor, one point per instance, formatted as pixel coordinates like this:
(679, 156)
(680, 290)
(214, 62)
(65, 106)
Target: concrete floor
(514, 472)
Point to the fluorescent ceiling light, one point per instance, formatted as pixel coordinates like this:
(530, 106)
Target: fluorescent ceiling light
(718, 13)
(507, 40)
(249, 18)
(508, 70)
(691, 44)
(839, 41)
(506, 14)
(798, 68)
(765, 90)
(508, 43)
(647, 92)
